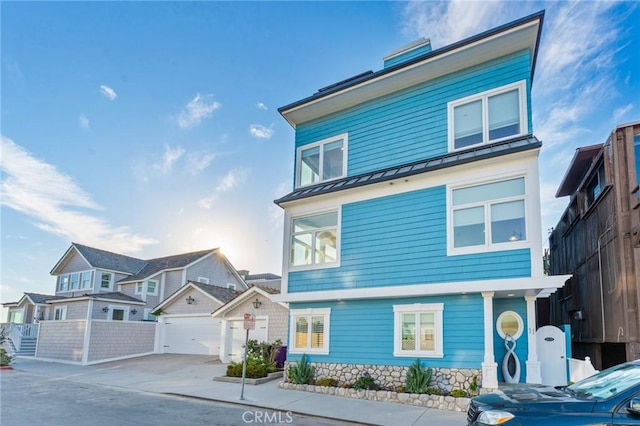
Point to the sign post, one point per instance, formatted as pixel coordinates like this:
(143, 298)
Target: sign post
(249, 324)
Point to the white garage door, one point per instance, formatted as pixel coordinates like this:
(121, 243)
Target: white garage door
(236, 335)
(199, 335)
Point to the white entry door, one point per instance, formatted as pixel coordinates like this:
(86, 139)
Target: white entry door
(197, 335)
(236, 335)
(552, 353)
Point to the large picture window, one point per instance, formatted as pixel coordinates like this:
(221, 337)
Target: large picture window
(314, 239)
(488, 214)
(418, 330)
(309, 330)
(322, 161)
(487, 117)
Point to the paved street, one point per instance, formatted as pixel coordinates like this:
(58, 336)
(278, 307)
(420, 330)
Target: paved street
(34, 399)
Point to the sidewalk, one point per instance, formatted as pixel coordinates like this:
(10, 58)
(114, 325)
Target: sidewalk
(192, 376)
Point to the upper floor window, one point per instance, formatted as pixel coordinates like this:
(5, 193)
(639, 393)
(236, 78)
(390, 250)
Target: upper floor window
(488, 116)
(203, 280)
(314, 239)
(60, 313)
(147, 288)
(596, 186)
(488, 214)
(105, 280)
(75, 281)
(231, 286)
(322, 161)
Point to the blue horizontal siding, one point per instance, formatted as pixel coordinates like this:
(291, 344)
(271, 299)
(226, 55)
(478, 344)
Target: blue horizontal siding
(401, 240)
(522, 345)
(411, 124)
(361, 332)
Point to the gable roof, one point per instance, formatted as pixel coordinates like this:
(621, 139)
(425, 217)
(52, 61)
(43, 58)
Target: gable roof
(176, 261)
(512, 37)
(580, 163)
(103, 259)
(34, 298)
(114, 296)
(261, 277)
(220, 294)
(246, 295)
(405, 170)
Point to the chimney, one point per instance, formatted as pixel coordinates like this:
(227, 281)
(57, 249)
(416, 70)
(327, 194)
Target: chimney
(243, 273)
(407, 52)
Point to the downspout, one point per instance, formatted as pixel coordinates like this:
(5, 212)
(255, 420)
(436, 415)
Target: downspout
(601, 286)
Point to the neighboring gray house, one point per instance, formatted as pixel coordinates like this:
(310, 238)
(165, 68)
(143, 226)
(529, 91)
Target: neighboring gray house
(264, 280)
(103, 301)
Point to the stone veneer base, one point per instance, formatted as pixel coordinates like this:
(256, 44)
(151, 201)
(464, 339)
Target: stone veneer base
(417, 400)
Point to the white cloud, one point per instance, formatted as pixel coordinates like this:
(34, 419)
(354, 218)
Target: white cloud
(198, 161)
(260, 131)
(260, 105)
(108, 92)
(619, 113)
(170, 156)
(83, 121)
(196, 110)
(56, 203)
(228, 182)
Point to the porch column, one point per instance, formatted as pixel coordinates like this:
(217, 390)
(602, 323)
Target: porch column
(489, 366)
(533, 365)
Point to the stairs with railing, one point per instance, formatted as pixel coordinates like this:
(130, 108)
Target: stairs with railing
(21, 339)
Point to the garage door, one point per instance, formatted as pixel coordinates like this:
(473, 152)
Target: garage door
(198, 335)
(236, 335)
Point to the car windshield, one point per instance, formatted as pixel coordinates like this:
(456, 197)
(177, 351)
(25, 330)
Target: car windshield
(608, 382)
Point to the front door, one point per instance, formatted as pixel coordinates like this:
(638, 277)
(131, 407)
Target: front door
(551, 345)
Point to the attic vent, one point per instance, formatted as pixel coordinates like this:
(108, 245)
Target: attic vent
(347, 80)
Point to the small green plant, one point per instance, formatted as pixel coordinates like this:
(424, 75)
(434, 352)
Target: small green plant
(303, 372)
(401, 389)
(473, 386)
(433, 391)
(365, 382)
(256, 368)
(327, 381)
(417, 379)
(459, 393)
(5, 358)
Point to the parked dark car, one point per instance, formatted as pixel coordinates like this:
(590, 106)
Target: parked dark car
(611, 397)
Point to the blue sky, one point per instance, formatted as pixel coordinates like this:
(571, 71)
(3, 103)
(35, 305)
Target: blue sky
(152, 128)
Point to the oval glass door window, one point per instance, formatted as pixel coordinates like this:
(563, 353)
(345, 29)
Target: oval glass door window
(509, 322)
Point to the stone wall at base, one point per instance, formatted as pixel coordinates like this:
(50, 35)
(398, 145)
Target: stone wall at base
(390, 377)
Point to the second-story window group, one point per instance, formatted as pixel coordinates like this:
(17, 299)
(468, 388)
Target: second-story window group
(322, 161)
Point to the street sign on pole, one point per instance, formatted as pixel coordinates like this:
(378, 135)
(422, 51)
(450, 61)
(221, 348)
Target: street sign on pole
(249, 324)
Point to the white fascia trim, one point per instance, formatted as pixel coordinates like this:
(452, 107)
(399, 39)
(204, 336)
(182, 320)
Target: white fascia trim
(181, 290)
(241, 299)
(534, 286)
(345, 147)
(204, 316)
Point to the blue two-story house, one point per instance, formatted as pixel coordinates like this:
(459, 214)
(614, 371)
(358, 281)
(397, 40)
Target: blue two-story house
(413, 230)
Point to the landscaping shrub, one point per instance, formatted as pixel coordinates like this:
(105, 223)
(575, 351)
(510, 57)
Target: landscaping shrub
(327, 381)
(256, 368)
(433, 391)
(459, 393)
(365, 382)
(5, 358)
(301, 373)
(417, 379)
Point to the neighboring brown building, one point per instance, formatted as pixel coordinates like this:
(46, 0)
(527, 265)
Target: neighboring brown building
(598, 241)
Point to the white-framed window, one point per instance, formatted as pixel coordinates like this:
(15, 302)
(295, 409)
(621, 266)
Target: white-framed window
(231, 286)
(203, 280)
(75, 281)
(63, 282)
(152, 287)
(309, 330)
(16, 317)
(118, 313)
(488, 216)
(105, 280)
(418, 330)
(322, 161)
(139, 288)
(86, 279)
(147, 315)
(314, 240)
(60, 313)
(509, 322)
(488, 116)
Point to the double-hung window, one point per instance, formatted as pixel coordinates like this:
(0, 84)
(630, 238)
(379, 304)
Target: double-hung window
(309, 330)
(418, 330)
(60, 313)
(105, 280)
(488, 116)
(322, 161)
(152, 288)
(86, 279)
(314, 240)
(486, 215)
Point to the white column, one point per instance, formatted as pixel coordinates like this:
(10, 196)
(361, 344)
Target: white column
(533, 365)
(489, 366)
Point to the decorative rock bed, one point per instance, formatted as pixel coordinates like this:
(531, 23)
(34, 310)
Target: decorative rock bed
(422, 400)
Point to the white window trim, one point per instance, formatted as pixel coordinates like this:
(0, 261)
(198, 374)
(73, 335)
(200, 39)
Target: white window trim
(343, 136)
(62, 308)
(315, 312)
(114, 307)
(146, 287)
(139, 292)
(68, 275)
(203, 280)
(111, 280)
(289, 232)
(231, 286)
(518, 319)
(147, 315)
(398, 310)
(488, 246)
(484, 96)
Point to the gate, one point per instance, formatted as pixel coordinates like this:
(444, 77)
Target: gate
(552, 352)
